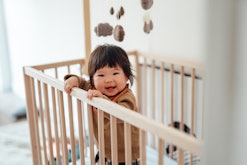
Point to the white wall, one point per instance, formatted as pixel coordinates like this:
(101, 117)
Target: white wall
(179, 26)
(5, 81)
(42, 31)
(226, 106)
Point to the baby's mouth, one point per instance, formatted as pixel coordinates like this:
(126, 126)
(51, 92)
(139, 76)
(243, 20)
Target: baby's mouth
(110, 88)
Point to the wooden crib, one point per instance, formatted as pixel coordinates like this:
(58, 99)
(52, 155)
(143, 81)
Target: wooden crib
(170, 97)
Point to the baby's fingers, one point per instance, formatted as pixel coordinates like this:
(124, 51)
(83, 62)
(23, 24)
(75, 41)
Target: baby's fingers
(67, 89)
(90, 94)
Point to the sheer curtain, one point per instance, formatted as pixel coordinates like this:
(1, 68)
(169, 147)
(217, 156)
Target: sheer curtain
(5, 69)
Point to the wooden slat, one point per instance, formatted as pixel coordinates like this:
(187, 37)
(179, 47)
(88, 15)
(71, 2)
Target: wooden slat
(192, 107)
(180, 156)
(127, 143)
(114, 142)
(145, 87)
(161, 149)
(63, 126)
(48, 124)
(162, 116)
(57, 140)
(172, 103)
(192, 101)
(71, 128)
(42, 119)
(182, 99)
(153, 97)
(81, 129)
(101, 138)
(32, 128)
(87, 32)
(91, 136)
(180, 151)
(138, 81)
(143, 142)
(36, 119)
(163, 100)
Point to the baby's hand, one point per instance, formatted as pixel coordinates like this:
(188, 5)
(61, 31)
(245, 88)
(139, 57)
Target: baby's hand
(70, 83)
(93, 93)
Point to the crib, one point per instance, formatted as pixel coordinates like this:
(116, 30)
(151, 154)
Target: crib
(170, 98)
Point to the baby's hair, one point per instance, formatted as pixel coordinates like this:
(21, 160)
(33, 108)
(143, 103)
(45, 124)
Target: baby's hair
(109, 55)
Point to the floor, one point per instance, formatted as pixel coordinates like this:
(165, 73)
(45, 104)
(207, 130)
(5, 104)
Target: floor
(15, 144)
(14, 133)
(12, 108)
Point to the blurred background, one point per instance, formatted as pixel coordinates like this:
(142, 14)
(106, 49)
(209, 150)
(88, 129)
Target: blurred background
(210, 31)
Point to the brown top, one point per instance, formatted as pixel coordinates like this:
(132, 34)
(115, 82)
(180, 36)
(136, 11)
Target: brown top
(127, 99)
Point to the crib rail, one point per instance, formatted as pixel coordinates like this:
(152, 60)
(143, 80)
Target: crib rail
(61, 124)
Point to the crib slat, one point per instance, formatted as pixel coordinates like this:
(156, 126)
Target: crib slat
(172, 93)
(181, 156)
(81, 66)
(172, 102)
(63, 127)
(101, 139)
(161, 151)
(162, 92)
(162, 142)
(180, 151)
(71, 126)
(48, 124)
(30, 97)
(153, 96)
(144, 107)
(81, 131)
(138, 81)
(192, 101)
(127, 143)
(36, 120)
(91, 136)
(114, 144)
(56, 73)
(42, 122)
(143, 142)
(57, 141)
(192, 107)
(182, 98)
(68, 68)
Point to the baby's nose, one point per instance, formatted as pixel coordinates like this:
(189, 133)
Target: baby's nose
(108, 79)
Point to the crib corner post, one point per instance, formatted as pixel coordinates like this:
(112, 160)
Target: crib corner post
(30, 118)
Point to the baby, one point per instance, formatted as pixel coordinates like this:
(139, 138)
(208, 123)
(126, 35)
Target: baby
(110, 72)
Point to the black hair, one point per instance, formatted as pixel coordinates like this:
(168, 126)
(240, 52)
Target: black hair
(109, 55)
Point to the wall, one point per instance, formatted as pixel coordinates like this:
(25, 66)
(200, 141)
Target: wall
(179, 27)
(226, 106)
(46, 31)
(5, 86)
(42, 31)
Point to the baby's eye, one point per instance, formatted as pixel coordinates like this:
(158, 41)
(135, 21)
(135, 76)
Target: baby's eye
(116, 73)
(100, 75)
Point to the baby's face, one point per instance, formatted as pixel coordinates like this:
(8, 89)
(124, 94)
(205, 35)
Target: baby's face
(110, 81)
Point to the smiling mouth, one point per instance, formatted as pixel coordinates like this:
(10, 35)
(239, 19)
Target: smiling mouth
(110, 88)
